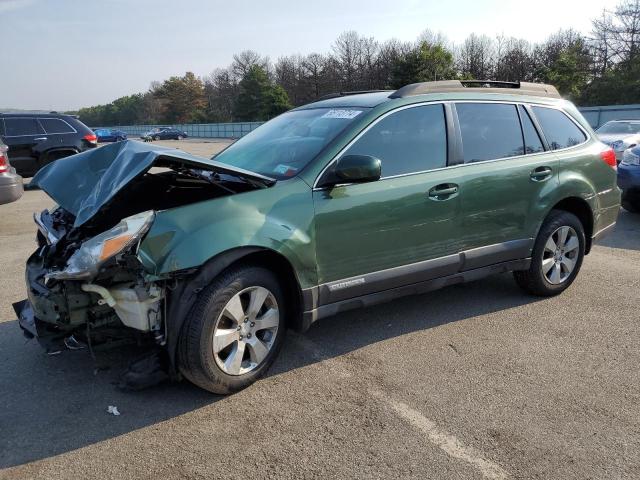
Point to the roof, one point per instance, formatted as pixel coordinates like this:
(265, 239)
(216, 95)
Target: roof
(39, 115)
(374, 98)
(477, 86)
(356, 99)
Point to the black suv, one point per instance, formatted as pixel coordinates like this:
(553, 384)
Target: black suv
(35, 139)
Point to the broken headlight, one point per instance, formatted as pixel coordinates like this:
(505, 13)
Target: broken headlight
(85, 262)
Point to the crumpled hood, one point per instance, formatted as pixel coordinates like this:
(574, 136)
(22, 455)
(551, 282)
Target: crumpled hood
(82, 184)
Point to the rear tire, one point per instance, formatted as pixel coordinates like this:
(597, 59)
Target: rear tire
(234, 331)
(557, 256)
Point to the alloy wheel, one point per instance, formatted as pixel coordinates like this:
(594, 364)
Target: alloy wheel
(560, 255)
(246, 330)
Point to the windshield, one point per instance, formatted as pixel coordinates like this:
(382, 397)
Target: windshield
(285, 145)
(620, 128)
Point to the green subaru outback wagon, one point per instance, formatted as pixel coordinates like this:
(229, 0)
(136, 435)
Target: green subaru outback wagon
(343, 203)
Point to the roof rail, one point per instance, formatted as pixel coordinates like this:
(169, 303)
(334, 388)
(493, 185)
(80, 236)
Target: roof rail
(486, 86)
(344, 94)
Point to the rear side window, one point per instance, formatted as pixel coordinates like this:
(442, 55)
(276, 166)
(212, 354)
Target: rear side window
(55, 125)
(22, 126)
(489, 131)
(532, 142)
(408, 141)
(558, 129)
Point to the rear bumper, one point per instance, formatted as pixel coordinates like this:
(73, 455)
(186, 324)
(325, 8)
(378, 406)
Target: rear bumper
(11, 188)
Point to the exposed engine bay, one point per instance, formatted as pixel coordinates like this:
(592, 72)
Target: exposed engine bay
(86, 284)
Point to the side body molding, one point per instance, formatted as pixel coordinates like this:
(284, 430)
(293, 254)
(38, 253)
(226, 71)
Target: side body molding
(375, 287)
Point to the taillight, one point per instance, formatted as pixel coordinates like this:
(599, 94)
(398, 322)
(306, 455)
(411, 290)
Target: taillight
(609, 157)
(4, 165)
(91, 138)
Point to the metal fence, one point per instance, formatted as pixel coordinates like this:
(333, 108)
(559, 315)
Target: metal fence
(596, 116)
(199, 130)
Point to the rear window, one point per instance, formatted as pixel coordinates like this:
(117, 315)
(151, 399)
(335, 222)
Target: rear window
(22, 126)
(559, 130)
(55, 125)
(489, 131)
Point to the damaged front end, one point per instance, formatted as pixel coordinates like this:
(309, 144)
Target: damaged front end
(87, 282)
(88, 289)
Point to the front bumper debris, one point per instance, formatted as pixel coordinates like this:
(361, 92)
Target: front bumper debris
(48, 335)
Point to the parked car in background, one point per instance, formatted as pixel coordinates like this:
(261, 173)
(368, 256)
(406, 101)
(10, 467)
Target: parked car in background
(343, 203)
(10, 182)
(164, 133)
(34, 140)
(620, 135)
(106, 135)
(629, 179)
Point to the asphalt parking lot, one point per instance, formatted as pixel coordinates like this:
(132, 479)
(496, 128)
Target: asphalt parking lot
(473, 381)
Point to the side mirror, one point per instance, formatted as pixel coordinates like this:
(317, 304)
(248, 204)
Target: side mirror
(353, 169)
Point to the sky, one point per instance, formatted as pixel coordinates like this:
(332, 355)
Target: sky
(67, 54)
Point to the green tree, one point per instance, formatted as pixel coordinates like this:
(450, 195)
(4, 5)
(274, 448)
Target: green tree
(259, 99)
(569, 73)
(425, 63)
(184, 98)
(277, 101)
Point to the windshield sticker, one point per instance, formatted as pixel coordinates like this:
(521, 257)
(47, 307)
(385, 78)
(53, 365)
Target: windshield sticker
(347, 114)
(285, 170)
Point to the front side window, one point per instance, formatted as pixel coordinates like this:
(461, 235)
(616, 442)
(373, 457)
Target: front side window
(285, 145)
(55, 125)
(22, 126)
(408, 141)
(489, 131)
(558, 129)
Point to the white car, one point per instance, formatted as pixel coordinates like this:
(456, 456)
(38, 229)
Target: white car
(620, 135)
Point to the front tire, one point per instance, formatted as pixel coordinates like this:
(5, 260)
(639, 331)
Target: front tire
(557, 256)
(234, 331)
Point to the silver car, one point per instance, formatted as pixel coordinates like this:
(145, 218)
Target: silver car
(10, 182)
(620, 135)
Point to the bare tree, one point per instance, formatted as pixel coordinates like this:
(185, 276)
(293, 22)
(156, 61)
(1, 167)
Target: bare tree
(475, 58)
(246, 59)
(513, 60)
(617, 34)
(221, 90)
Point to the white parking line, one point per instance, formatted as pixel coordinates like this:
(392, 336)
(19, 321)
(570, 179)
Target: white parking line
(447, 442)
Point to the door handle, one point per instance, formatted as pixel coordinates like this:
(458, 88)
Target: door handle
(443, 191)
(40, 139)
(541, 174)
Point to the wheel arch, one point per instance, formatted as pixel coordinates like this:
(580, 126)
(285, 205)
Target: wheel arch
(581, 209)
(182, 296)
(52, 152)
